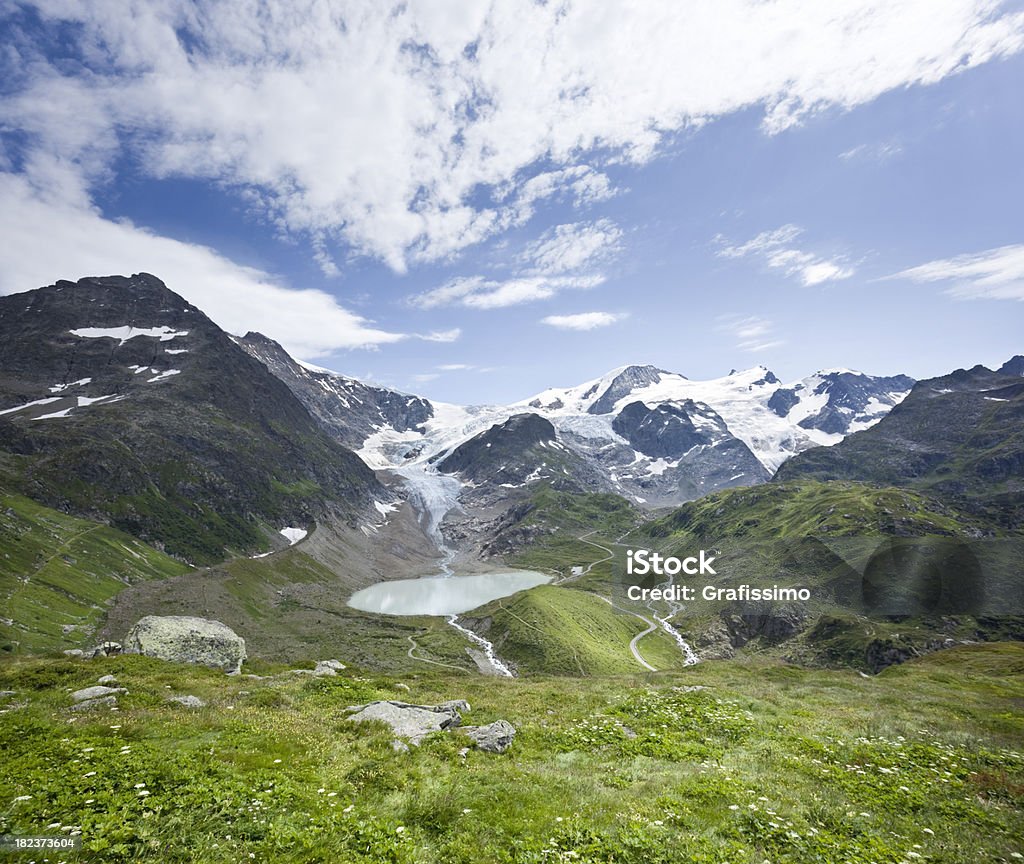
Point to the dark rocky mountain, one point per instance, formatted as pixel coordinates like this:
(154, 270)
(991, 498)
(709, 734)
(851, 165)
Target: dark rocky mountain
(694, 451)
(518, 453)
(960, 436)
(847, 397)
(1013, 366)
(122, 402)
(349, 409)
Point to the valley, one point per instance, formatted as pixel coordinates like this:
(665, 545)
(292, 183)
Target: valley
(372, 547)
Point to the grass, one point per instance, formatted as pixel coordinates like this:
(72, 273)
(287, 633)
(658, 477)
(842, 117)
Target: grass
(766, 762)
(561, 631)
(58, 571)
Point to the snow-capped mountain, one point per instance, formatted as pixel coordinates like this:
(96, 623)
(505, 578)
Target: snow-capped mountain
(651, 435)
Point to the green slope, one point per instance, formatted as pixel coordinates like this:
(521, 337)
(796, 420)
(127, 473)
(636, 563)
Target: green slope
(778, 511)
(562, 631)
(767, 763)
(60, 571)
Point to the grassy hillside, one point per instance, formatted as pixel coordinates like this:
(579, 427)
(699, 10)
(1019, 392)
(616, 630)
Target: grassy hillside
(562, 631)
(798, 509)
(59, 573)
(545, 535)
(766, 763)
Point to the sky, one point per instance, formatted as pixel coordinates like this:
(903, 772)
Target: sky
(475, 201)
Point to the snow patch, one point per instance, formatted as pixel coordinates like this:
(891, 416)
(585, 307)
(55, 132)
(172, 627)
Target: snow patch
(46, 401)
(164, 334)
(81, 382)
(293, 535)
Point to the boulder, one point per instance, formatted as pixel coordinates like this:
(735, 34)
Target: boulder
(327, 668)
(413, 722)
(76, 653)
(188, 701)
(183, 639)
(91, 704)
(494, 737)
(96, 692)
(109, 680)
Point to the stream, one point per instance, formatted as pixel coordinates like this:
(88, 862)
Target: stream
(433, 495)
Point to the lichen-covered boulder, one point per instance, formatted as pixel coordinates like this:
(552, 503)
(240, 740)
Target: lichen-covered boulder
(413, 722)
(183, 639)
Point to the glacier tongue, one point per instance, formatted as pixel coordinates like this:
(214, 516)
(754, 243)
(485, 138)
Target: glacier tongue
(432, 494)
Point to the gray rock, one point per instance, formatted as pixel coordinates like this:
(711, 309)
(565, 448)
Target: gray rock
(107, 679)
(327, 668)
(107, 649)
(91, 704)
(6, 694)
(188, 701)
(78, 653)
(183, 639)
(455, 705)
(96, 692)
(494, 738)
(413, 722)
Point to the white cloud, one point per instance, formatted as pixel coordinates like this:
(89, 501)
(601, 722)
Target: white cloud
(996, 274)
(476, 292)
(882, 152)
(46, 238)
(572, 247)
(565, 257)
(456, 367)
(752, 333)
(409, 131)
(441, 335)
(776, 248)
(583, 320)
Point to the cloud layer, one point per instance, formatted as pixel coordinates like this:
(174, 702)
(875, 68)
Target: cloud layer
(410, 131)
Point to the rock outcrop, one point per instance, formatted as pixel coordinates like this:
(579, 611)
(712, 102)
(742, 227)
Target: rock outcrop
(183, 639)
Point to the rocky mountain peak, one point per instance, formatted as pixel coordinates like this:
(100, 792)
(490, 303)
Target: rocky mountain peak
(631, 378)
(1013, 366)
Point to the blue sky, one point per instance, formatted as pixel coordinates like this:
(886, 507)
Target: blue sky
(478, 202)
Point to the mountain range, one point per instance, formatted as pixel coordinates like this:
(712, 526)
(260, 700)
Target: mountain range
(653, 436)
